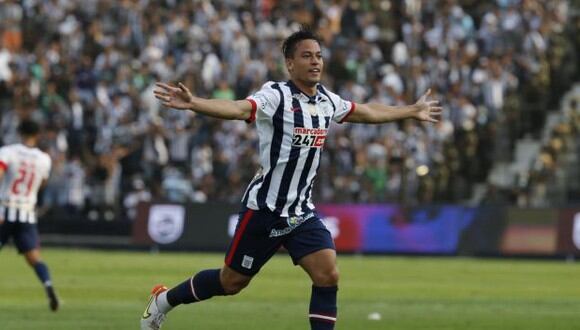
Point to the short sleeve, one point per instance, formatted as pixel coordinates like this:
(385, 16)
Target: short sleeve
(265, 100)
(342, 108)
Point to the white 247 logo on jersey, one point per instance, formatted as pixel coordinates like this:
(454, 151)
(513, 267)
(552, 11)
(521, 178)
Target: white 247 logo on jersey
(309, 137)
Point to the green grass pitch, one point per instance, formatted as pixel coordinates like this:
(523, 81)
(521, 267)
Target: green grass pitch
(108, 290)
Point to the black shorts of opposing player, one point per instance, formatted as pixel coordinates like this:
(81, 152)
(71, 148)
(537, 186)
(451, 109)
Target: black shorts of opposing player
(25, 235)
(259, 234)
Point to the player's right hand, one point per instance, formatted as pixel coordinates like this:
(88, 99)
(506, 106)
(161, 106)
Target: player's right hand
(173, 97)
(427, 110)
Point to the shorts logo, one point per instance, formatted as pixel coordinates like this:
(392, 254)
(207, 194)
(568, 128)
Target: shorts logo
(292, 222)
(247, 262)
(309, 137)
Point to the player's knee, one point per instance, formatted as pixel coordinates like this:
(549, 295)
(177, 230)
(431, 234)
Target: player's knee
(234, 285)
(32, 257)
(326, 278)
(233, 282)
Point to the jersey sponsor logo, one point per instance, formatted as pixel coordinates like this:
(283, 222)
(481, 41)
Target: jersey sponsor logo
(309, 137)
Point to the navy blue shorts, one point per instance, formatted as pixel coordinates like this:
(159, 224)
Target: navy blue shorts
(259, 234)
(25, 235)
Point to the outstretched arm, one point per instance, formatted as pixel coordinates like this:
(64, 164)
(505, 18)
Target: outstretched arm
(376, 113)
(181, 98)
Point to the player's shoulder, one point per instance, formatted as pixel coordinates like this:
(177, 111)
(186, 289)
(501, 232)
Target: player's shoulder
(330, 95)
(10, 146)
(270, 85)
(327, 92)
(44, 155)
(39, 154)
(268, 93)
(8, 149)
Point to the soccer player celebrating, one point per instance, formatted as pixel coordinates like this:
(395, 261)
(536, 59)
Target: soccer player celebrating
(292, 120)
(23, 169)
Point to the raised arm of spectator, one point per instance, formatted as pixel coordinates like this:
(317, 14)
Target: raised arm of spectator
(376, 113)
(181, 98)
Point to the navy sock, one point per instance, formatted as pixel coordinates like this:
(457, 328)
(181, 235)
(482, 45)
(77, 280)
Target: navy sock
(42, 272)
(323, 307)
(202, 286)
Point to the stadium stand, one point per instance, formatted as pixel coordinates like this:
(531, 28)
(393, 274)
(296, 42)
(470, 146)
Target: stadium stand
(86, 70)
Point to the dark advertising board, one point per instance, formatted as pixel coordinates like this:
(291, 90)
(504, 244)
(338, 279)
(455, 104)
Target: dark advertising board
(183, 226)
(381, 228)
(569, 232)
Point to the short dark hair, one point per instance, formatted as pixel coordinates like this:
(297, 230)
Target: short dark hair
(28, 128)
(289, 45)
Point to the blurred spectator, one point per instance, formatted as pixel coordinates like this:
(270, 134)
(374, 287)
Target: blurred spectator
(137, 194)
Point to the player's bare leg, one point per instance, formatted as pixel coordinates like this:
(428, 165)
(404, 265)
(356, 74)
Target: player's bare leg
(322, 269)
(33, 259)
(232, 281)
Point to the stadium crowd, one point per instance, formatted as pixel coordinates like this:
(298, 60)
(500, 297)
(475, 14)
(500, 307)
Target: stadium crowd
(86, 70)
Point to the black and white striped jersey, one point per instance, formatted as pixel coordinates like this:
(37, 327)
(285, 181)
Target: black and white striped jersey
(292, 128)
(24, 170)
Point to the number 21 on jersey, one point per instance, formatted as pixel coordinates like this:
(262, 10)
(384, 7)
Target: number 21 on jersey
(24, 180)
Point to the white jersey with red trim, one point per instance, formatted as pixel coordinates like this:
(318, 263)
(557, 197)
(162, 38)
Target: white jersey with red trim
(24, 170)
(292, 128)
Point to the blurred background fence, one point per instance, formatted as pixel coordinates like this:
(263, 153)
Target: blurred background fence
(490, 230)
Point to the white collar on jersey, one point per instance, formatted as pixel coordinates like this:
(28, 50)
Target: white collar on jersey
(301, 96)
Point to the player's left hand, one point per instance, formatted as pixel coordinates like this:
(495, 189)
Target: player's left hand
(427, 110)
(173, 97)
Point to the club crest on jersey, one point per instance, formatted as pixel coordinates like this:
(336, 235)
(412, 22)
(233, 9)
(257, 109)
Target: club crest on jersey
(309, 137)
(311, 109)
